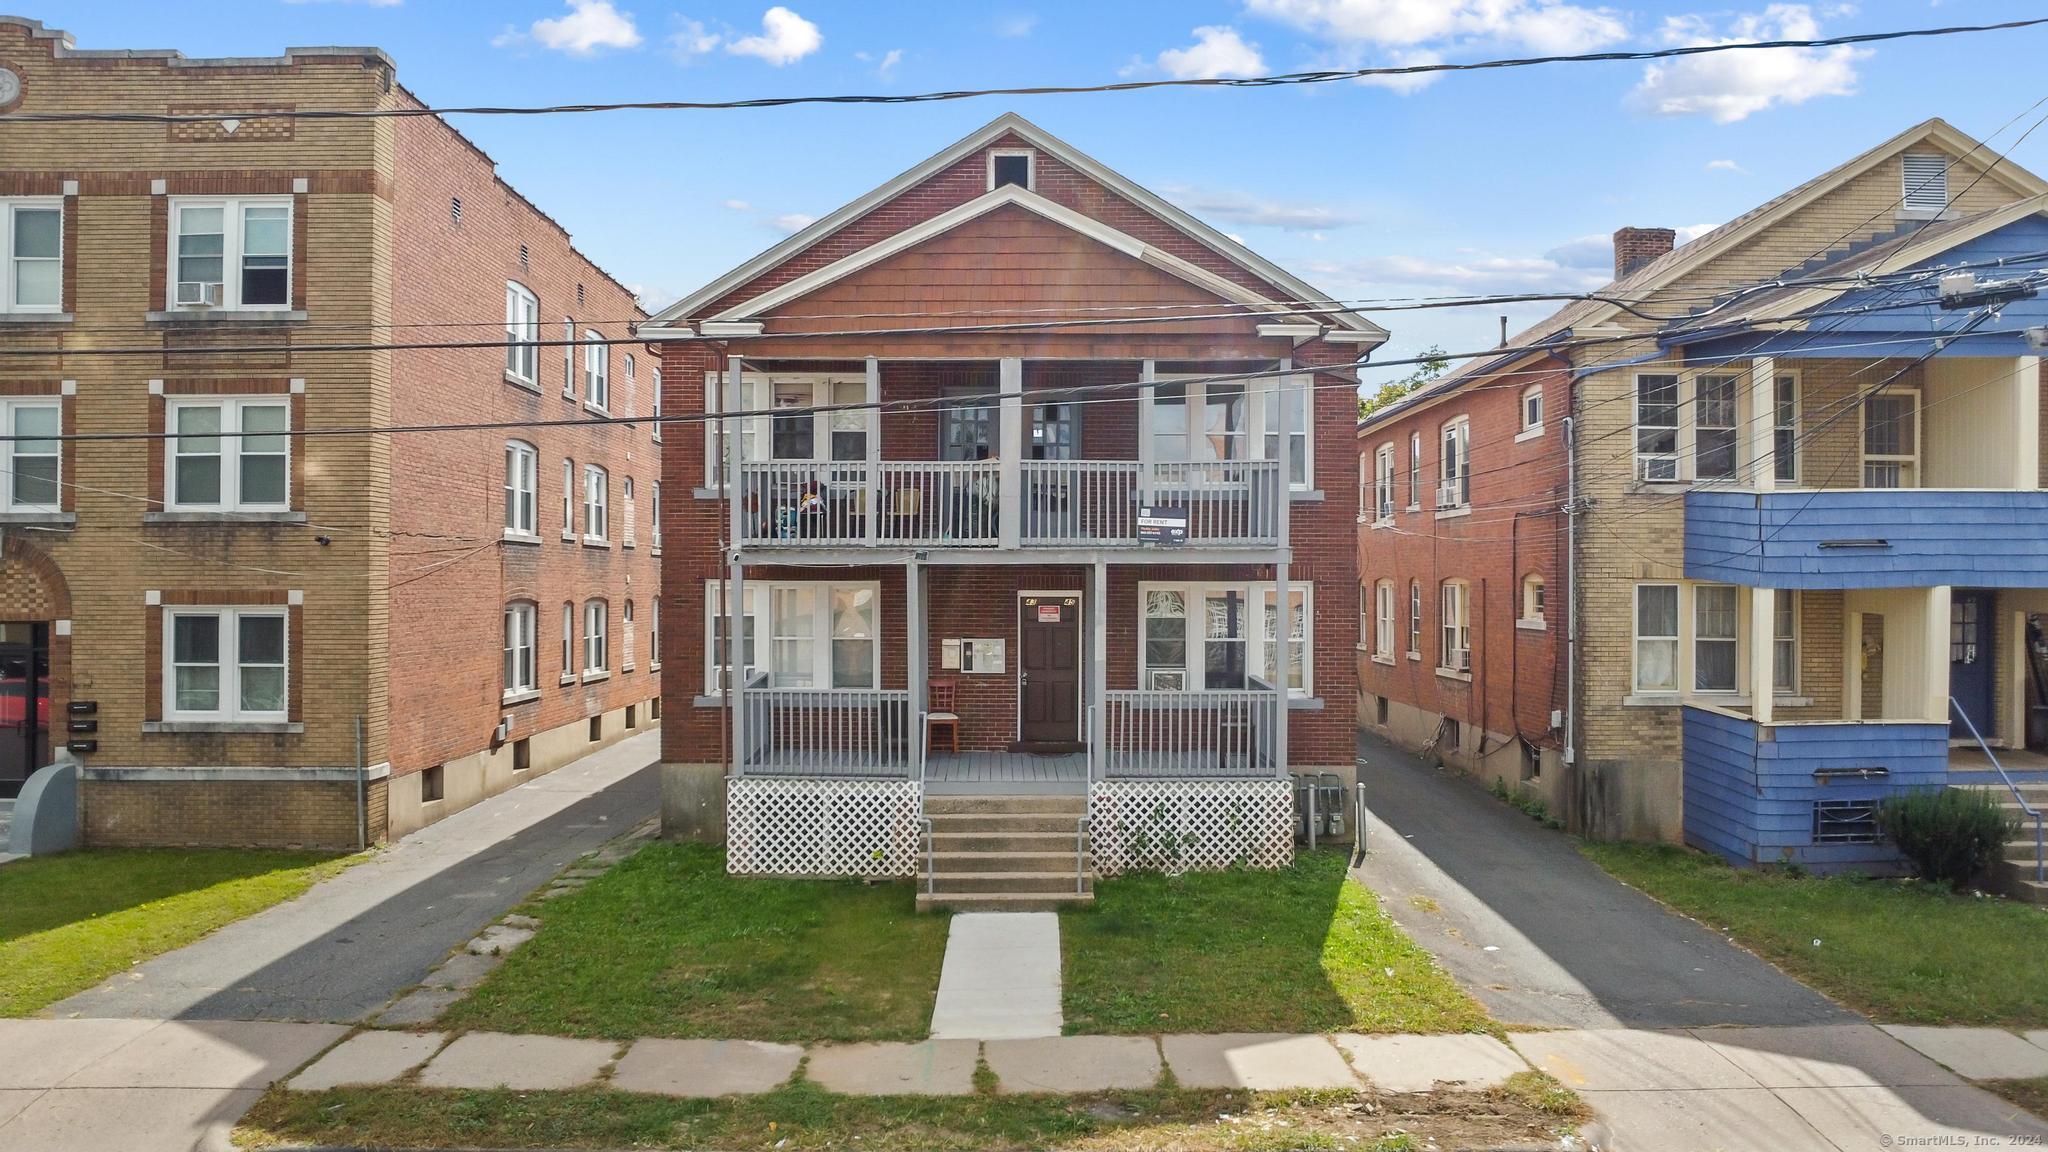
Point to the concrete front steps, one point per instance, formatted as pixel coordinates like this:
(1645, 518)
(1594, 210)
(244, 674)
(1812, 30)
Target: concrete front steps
(1006, 854)
(2015, 873)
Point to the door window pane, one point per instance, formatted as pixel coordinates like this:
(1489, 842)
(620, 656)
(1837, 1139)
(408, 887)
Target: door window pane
(1224, 421)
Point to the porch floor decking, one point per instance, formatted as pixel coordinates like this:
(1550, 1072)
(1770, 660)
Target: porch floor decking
(1970, 766)
(991, 767)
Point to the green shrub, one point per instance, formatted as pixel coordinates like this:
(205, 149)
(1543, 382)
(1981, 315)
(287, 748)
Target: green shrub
(1952, 835)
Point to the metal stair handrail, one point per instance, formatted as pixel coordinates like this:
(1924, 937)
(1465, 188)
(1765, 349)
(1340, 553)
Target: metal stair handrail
(2040, 839)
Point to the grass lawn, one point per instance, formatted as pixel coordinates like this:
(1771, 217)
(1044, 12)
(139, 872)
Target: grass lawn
(1899, 952)
(1301, 950)
(803, 1116)
(667, 944)
(69, 921)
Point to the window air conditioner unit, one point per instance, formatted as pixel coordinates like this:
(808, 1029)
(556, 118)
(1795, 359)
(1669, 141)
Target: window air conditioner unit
(1461, 660)
(199, 294)
(1450, 494)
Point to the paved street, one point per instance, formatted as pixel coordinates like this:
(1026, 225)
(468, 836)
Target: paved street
(351, 943)
(1538, 932)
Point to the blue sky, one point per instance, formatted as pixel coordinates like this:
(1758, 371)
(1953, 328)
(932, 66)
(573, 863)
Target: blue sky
(1485, 182)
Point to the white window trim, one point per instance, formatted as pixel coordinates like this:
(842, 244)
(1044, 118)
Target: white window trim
(527, 612)
(596, 637)
(629, 514)
(1686, 660)
(1676, 639)
(1257, 643)
(8, 452)
(571, 652)
(756, 434)
(759, 601)
(1383, 622)
(1797, 638)
(1260, 417)
(8, 207)
(1530, 429)
(1685, 452)
(230, 663)
(1451, 472)
(570, 498)
(597, 498)
(597, 371)
(569, 346)
(517, 494)
(1414, 619)
(654, 517)
(1798, 423)
(1916, 461)
(231, 250)
(654, 633)
(1030, 169)
(1383, 480)
(1415, 472)
(1740, 641)
(230, 451)
(655, 397)
(628, 658)
(1537, 620)
(522, 333)
(1454, 626)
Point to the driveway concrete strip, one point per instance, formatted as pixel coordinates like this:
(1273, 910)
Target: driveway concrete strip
(128, 1120)
(705, 1067)
(1425, 1063)
(1702, 1120)
(1074, 1063)
(369, 1058)
(1572, 947)
(218, 1054)
(1978, 1053)
(41, 1053)
(1961, 1116)
(1258, 1061)
(1001, 977)
(352, 942)
(1630, 1061)
(933, 1068)
(524, 1063)
(1827, 1056)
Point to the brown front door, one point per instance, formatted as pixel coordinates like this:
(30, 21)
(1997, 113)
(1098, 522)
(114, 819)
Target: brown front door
(1049, 671)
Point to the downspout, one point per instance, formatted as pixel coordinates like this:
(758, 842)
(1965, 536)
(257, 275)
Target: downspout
(1571, 577)
(362, 793)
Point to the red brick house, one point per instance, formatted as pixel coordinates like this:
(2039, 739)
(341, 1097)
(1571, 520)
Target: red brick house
(1089, 445)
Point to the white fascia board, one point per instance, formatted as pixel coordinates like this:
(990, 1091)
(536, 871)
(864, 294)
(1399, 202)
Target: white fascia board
(1296, 331)
(730, 328)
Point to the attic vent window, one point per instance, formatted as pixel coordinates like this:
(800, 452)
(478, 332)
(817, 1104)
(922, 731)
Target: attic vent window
(524, 256)
(579, 294)
(1009, 168)
(455, 209)
(1926, 182)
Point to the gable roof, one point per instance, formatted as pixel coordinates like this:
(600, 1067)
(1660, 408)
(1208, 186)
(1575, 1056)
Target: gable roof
(1010, 124)
(1687, 258)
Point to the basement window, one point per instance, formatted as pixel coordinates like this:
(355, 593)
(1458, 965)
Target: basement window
(522, 755)
(433, 785)
(1014, 166)
(1845, 822)
(596, 729)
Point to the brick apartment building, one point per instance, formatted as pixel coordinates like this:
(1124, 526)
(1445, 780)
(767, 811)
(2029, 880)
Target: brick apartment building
(1807, 571)
(285, 637)
(970, 557)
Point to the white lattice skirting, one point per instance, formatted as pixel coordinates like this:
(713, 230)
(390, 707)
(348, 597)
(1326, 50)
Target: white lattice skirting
(822, 827)
(1190, 825)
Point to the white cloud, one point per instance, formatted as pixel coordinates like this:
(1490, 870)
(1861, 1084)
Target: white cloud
(653, 297)
(1547, 26)
(1018, 26)
(1687, 233)
(885, 63)
(1463, 274)
(793, 222)
(1412, 82)
(1236, 208)
(691, 38)
(1726, 166)
(591, 25)
(785, 38)
(1731, 86)
(739, 205)
(1217, 51)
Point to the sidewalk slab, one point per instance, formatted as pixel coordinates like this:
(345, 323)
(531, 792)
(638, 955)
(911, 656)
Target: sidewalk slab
(419, 1006)
(1001, 977)
(1423, 1063)
(1074, 1063)
(1824, 1056)
(13, 1100)
(1704, 1120)
(369, 1058)
(526, 1063)
(41, 1053)
(1630, 1060)
(465, 969)
(1978, 1053)
(2038, 1037)
(223, 1054)
(127, 1119)
(705, 1067)
(1259, 1061)
(1914, 1117)
(933, 1068)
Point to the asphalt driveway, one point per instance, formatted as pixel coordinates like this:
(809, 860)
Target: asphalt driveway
(1538, 932)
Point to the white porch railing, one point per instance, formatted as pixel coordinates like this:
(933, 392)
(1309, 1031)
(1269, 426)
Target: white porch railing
(827, 732)
(1212, 733)
(800, 501)
(1076, 503)
(1227, 501)
(945, 503)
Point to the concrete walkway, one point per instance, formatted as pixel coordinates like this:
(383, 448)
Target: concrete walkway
(351, 943)
(1539, 933)
(1001, 977)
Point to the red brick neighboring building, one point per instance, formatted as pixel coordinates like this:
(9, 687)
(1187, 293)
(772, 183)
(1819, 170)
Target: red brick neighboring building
(972, 546)
(1461, 554)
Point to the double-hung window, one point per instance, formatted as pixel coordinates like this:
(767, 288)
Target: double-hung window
(568, 498)
(1200, 426)
(1415, 618)
(655, 394)
(34, 457)
(718, 627)
(520, 675)
(230, 454)
(797, 431)
(32, 237)
(234, 254)
(522, 334)
(1891, 439)
(596, 656)
(596, 500)
(1456, 641)
(1785, 429)
(1220, 636)
(1716, 637)
(1454, 466)
(629, 513)
(1383, 484)
(654, 634)
(1656, 667)
(597, 380)
(654, 514)
(820, 635)
(1785, 641)
(1688, 427)
(1414, 471)
(1713, 432)
(225, 664)
(568, 641)
(1657, 426)
(626, 653)
(1383, 620)
(522, 468)
(1532, 410)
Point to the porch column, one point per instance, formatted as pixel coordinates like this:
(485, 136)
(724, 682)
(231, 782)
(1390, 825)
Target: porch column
(735, 588)
(1098, 668)
(1934, 655)
(1283, 494)
(1010, 379)
(1852, 666)
(1283, 648)
(1145, 377)
(2026, 423)
(915, 672)
(1761, 431)
(1762, 634)
(872, 420)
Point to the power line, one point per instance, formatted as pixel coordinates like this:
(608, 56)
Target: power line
(1279, 80)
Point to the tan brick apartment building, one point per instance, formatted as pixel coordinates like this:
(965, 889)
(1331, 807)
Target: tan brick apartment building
(286, 630)
(1808, 569)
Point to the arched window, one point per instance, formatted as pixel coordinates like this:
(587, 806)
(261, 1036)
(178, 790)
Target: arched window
(1456, 651)
(520, 673)
(522, 478)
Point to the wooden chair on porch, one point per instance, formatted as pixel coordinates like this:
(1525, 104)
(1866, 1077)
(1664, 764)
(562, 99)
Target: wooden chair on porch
(941, 716)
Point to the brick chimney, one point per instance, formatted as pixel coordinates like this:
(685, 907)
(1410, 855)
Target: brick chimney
(1635, 247)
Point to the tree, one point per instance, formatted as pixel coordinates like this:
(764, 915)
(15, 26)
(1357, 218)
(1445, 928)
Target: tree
(1434, 363)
